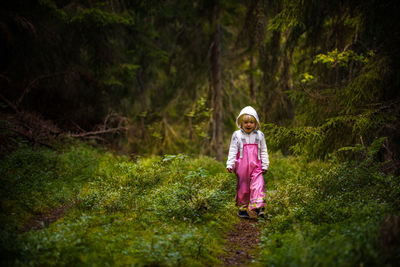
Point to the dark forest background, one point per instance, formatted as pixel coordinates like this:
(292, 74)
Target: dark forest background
(156, 77)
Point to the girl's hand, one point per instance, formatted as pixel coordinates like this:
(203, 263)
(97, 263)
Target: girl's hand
(229, 170)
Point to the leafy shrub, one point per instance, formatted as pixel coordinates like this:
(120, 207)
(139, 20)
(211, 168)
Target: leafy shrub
(191, 195)
(327, 213)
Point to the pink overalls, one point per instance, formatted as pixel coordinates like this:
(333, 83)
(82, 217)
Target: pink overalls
(250, 187)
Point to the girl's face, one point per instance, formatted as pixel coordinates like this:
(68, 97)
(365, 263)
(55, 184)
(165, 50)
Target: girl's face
(248, 123)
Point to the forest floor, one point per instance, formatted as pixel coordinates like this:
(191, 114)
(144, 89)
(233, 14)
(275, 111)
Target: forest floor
(242, 243)
(84, 206)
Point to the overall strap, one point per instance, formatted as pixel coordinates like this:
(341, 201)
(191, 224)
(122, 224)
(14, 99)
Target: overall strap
(257, 138)
(258, 142)
(242, 140)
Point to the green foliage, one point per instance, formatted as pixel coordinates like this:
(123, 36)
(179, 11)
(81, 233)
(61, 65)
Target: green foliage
(366, 90)
(327, 214)
(289, 17)
(329, 137)
(156, 211)
(300, 140)
(341, 85)
(100, 18)
(307, 78)
(35, 181)
(335, 58)
(348, 112)
(51, 5)
(173, 210)
(199, 118)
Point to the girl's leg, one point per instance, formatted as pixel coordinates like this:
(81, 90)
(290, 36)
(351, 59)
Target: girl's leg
(242, 193)
(243, 184)
(257, 190)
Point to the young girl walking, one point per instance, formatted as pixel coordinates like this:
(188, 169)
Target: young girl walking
(248, 159)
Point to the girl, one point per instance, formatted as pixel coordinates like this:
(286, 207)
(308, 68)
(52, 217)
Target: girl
(248, 158)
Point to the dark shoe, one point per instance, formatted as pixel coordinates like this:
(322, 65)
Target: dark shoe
(243, 214)
(260, 212)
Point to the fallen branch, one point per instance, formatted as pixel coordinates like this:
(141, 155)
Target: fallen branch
(110, 130)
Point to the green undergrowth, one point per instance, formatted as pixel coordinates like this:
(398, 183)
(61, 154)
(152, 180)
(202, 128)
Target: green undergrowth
(175, 210)
(330, 214)
(171, 210)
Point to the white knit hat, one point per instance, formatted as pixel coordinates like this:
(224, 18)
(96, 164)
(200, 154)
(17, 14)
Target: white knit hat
(249, 111)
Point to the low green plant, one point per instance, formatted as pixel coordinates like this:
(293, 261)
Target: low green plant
(35, 181)
(327, 214)
(174, 210)
(169, 211)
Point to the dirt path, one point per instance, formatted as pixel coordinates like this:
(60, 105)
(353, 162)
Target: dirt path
(242, 243)
(45, 219)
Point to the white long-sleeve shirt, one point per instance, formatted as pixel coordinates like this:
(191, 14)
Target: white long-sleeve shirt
(250, 139)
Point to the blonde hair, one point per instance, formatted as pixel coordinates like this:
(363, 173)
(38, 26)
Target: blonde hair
(247, 117)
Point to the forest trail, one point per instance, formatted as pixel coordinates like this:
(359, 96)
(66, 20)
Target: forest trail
(46, 218)
(242, 243)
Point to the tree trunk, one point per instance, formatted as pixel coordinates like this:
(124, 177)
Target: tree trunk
(216, 85)
(251, 78)
(270, 56)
